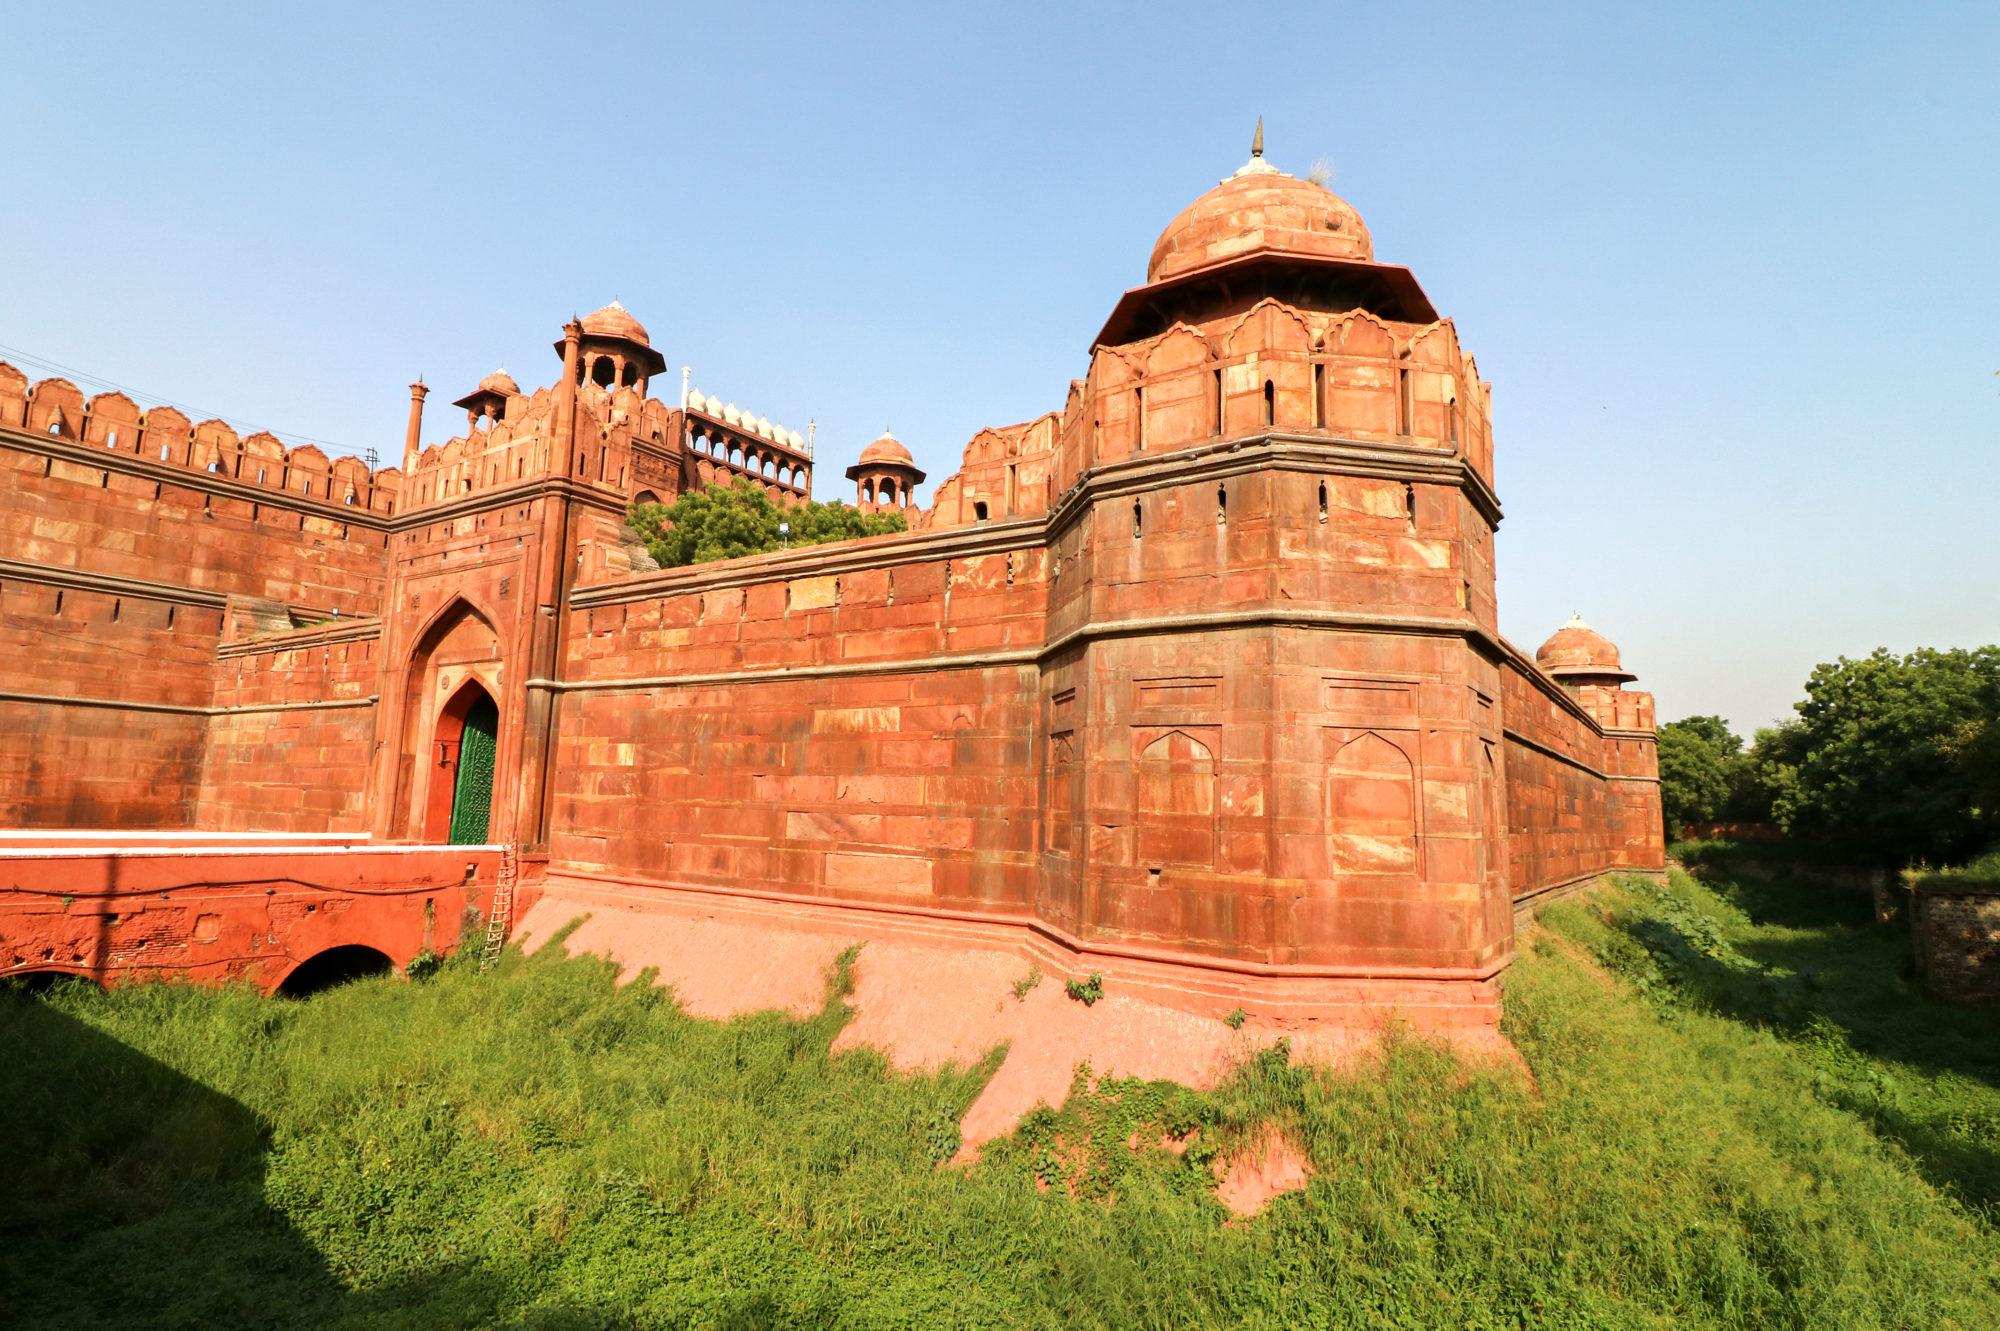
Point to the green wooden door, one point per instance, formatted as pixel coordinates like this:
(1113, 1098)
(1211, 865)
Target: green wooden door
(472, 800)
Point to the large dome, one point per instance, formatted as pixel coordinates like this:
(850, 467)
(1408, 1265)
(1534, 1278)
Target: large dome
(1259, 208)
(614, 321)
(1578, 649)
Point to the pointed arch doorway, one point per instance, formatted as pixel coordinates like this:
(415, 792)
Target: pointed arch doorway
(472, 792)
(467, 735)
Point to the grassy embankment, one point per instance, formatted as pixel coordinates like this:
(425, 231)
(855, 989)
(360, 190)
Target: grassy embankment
(1743, 1116)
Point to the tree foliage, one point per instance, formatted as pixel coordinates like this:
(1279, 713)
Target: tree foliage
(1700, 759)
(1891, 751)
(1895, 757)
(729, 521)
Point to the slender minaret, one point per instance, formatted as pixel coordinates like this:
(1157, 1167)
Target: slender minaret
(413, 439)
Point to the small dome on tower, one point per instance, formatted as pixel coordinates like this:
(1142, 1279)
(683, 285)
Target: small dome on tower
(887, 450)
(500, 382)
(1260, 208)
(1577, 649)
(614, 321)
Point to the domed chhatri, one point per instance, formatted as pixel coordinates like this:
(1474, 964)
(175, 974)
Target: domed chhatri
(1259, 208)
(616, 353)
(488, 402)
(1578, 652)
(886, 476)
(615, 321)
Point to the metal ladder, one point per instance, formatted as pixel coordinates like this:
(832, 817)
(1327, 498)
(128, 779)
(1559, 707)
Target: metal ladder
(502, 917)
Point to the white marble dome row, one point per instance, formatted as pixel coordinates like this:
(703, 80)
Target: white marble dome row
(742, 420)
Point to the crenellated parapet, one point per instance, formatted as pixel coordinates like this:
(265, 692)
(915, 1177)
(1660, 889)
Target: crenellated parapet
(114, 423)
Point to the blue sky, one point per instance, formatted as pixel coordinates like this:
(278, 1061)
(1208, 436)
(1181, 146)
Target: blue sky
(1733, 269)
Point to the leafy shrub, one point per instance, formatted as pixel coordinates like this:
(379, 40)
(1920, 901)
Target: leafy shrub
(1087, 991)
(730, 521)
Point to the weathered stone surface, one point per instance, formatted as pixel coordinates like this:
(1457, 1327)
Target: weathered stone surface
(1956, 938)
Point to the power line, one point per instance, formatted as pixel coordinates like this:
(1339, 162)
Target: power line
(194, 413)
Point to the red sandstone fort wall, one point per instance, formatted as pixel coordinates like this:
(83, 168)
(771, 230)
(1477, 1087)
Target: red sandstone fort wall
(126, 534)
(289, 745)
(862, 732)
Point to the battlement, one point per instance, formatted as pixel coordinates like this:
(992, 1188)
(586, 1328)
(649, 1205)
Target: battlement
(114, 422)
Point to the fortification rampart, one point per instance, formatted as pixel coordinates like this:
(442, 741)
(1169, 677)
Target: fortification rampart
(126, 535)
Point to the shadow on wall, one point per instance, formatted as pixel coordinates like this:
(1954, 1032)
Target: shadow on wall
(133, 1196)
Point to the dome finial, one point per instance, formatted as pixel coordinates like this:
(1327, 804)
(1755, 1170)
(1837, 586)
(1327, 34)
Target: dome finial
(1257, 141)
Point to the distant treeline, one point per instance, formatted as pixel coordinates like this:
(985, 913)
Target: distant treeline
(1895, 759)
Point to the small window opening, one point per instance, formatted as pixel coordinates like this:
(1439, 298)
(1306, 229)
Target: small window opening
(1404, 406)
(117, 609)
(170, 617)
(260, 475)
(1322, 501)
(1410, 504)
(1218, 402)
(1319, 395)
(1135, 519)
(111, 440)
(1270, 404)
(1013, 486)
(1222, 503)
(163, 452)
(1139, 416)
(1450, 421)
(979, 510)
(104, 481)
(59, 599)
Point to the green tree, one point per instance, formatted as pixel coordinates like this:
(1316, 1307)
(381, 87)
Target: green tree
(729, 521)
(1891, 755)
(1699, 762)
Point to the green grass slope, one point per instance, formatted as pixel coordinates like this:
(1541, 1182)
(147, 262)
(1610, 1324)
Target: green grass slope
(1741, 1116)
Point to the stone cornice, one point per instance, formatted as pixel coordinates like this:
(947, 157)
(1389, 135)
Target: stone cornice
(818, 561)
(356, 628)
(182, 709)
(84, 580)
(1275, 451)
(1219, 460)
(1221, 621)
(188, 478)
(527, 491)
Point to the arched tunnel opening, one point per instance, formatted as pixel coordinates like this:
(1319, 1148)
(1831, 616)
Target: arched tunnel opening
(334, 967)
(37, 983)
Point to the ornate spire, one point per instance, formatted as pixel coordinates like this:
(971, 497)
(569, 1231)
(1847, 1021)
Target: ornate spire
(1257, 166)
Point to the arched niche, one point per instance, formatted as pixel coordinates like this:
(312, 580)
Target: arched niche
(1371, 810)
(1176, 797)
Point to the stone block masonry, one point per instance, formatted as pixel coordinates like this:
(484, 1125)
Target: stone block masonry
(1194, 682)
